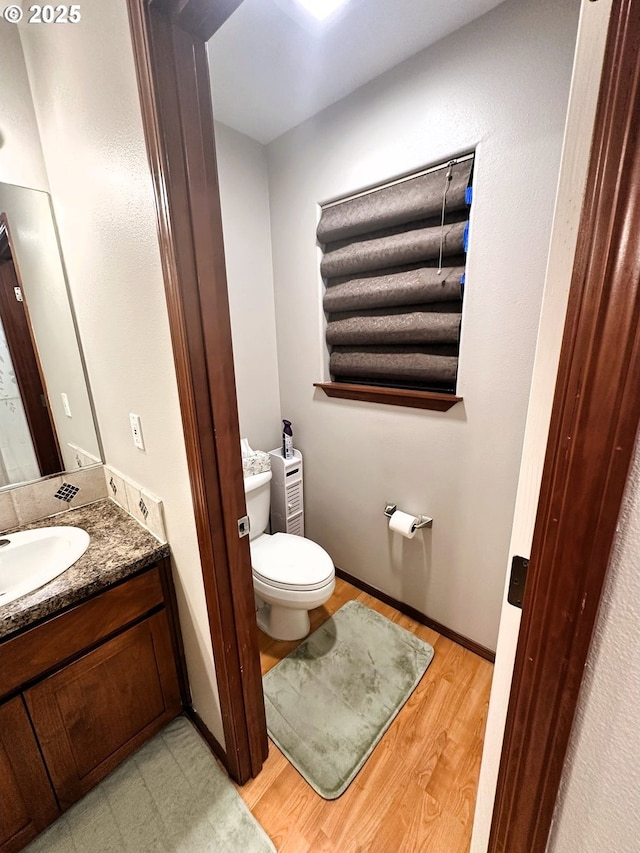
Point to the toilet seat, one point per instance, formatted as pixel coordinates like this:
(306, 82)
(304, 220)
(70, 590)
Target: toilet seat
(288, 562)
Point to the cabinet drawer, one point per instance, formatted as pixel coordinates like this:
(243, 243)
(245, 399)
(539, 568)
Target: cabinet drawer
(92, 713)
(27, 803)
(41, 649)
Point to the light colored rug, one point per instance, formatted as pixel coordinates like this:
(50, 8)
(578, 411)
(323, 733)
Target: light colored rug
(330, 701)
(170, 795)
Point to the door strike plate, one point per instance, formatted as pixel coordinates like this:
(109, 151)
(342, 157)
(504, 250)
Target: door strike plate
(519, 566)
(243, 526)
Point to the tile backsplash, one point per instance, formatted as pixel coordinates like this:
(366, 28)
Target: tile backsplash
(61, 492)
(50, 496)
(82, 458)
(137, 501)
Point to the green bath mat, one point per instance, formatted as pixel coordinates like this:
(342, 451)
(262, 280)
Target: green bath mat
(330, 701)
(170, 795)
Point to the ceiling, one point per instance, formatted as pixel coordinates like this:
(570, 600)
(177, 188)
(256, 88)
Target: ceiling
(273, 66)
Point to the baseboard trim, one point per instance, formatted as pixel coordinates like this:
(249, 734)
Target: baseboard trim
(212, 742)
(422, 618)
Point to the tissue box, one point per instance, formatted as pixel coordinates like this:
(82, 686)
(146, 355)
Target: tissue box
(256, 463)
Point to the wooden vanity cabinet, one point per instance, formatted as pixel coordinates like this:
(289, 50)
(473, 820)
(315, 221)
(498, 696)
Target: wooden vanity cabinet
(91, 714)
(27, 801)
(94, 684)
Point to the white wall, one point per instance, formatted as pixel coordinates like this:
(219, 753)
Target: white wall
(88, 112)
(244, 195)
(499, 85)
(598, 808)
(20, 152)
(575, 157)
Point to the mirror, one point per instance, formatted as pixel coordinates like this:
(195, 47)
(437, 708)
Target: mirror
(46, 416)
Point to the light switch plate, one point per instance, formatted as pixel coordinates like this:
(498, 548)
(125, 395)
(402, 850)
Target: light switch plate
(65, 404)
(136, 431)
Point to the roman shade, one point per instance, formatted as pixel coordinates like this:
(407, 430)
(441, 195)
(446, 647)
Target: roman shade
(394, 268)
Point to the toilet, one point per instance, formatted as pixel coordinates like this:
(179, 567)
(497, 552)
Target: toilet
(291, 574)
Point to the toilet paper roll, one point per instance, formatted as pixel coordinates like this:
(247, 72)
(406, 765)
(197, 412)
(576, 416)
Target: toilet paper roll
(403, 523)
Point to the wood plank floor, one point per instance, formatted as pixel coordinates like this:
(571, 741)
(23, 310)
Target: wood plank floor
(417, 791)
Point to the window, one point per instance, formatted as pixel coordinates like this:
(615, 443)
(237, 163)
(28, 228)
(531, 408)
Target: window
(394, 270)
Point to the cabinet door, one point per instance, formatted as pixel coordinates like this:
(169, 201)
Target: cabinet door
(27, 803)
(91, 714)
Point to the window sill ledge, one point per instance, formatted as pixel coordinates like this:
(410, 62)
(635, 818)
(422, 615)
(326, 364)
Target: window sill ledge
(391, 396)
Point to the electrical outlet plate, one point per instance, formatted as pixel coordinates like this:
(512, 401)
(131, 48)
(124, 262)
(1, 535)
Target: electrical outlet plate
(136, 431)
(65, 404)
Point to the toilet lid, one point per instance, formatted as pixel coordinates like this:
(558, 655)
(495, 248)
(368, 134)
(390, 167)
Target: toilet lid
(290, 562)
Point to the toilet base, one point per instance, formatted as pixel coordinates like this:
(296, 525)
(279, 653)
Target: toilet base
(283, 623)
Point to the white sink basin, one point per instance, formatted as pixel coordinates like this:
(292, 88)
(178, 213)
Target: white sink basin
(32, 558)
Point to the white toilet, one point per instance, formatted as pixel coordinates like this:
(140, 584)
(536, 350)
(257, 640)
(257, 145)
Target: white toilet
(291, 574)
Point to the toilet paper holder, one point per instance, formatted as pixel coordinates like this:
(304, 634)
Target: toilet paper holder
(422, 520)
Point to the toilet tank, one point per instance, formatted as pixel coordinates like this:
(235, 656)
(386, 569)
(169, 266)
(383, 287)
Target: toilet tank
(257, 489)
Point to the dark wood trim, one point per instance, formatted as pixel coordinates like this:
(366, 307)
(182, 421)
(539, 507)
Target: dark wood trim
(171, 604)
(173, 82)
(438, 402)
(422, 618)
(202, 18)
(212, 742)
(593, 429)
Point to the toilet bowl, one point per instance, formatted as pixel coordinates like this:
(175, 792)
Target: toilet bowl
(291, 574)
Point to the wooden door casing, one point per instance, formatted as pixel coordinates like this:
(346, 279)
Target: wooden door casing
(173, 81)
(593, 430)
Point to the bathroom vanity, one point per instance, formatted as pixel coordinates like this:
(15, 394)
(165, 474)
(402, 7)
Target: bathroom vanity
(90, 668)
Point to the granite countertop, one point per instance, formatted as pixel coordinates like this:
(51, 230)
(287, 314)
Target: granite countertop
(118, 547)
